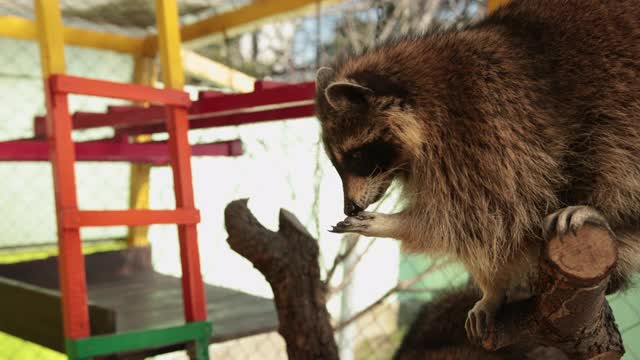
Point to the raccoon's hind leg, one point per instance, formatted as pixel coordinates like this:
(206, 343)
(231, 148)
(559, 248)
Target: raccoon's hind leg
(480, 319)
(509, 281)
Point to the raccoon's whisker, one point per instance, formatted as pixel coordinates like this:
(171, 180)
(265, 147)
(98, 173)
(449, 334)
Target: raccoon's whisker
(393, 170)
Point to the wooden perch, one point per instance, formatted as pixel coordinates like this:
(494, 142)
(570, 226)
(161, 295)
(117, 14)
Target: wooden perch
(289, 261)
(570, 311)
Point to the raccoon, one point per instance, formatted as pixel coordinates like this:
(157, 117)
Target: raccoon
(523, 124)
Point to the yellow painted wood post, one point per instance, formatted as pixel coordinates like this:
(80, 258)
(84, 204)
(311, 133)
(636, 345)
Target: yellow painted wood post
(169, 43)
(21, 28)
(51, 41)
(201, 67)
(492, 5)
(144, 74)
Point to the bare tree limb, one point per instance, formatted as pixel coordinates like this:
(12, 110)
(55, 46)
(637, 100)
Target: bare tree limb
(346, 278)
(429, 15)
(392, 22)
(421, 289)
(289, 261)
(399, 287)
(342, 256)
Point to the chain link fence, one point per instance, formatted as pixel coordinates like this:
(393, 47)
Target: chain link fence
(374, 290)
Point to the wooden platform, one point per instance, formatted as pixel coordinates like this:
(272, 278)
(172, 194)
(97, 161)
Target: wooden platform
(125, 294)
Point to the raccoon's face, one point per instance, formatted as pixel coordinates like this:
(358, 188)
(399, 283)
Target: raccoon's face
(366, 171)
(357, 139)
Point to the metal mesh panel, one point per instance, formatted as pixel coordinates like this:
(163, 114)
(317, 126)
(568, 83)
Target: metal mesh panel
(128, 17)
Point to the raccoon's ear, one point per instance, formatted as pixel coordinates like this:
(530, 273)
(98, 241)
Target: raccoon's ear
(343, 95)
(324, 77)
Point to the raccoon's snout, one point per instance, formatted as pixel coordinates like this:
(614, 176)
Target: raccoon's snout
(360, 192)
(351, 208)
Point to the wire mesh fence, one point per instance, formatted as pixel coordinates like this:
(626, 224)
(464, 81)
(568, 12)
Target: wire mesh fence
(375, 289)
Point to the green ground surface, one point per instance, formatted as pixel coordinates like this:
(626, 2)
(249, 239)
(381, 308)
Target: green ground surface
(12, 348)
(41, 252)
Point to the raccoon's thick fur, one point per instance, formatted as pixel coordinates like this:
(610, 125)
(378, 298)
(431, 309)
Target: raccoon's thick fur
(437, 333)
(534, 110)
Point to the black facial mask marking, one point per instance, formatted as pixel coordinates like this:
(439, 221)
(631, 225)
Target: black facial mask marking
(370, 159)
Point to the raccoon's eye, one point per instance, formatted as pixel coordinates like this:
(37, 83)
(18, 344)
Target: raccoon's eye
(357, 155)
(370, 159)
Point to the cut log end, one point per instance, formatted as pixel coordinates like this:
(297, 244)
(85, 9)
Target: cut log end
(587, 256)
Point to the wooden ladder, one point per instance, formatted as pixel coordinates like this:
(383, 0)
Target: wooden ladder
(79, 342)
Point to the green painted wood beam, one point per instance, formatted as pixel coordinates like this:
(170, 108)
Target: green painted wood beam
(86, 348)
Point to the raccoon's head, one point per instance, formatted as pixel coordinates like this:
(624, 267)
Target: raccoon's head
(359, 136)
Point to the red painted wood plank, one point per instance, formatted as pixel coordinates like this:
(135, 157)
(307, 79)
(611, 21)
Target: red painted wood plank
(73, 284)
(82, 86)
(232, 109)
(195, 308)
(278, 95)
(73, 219)
(153, 118)
(294, 112)
(39, 127)
(135, 116)
(215, 120)
(116, 108)
(209, 94)
(156, 153)
(259, 85)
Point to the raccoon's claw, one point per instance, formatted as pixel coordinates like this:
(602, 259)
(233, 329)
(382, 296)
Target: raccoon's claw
(571, 219)
(480, 321)
(361, 223)
(371, 224)
(351, 224)
(476, 325)
(364, 216)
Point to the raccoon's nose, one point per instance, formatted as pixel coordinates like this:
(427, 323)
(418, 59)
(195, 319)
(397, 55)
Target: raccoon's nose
(351, 209)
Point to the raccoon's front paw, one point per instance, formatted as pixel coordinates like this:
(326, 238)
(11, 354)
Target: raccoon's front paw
(480, 320)
(572, 218)
(363, 223)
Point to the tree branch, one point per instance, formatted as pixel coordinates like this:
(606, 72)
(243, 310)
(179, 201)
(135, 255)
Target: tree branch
(346, 278)
(289, 261)
(341, 256)
(570, 312)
